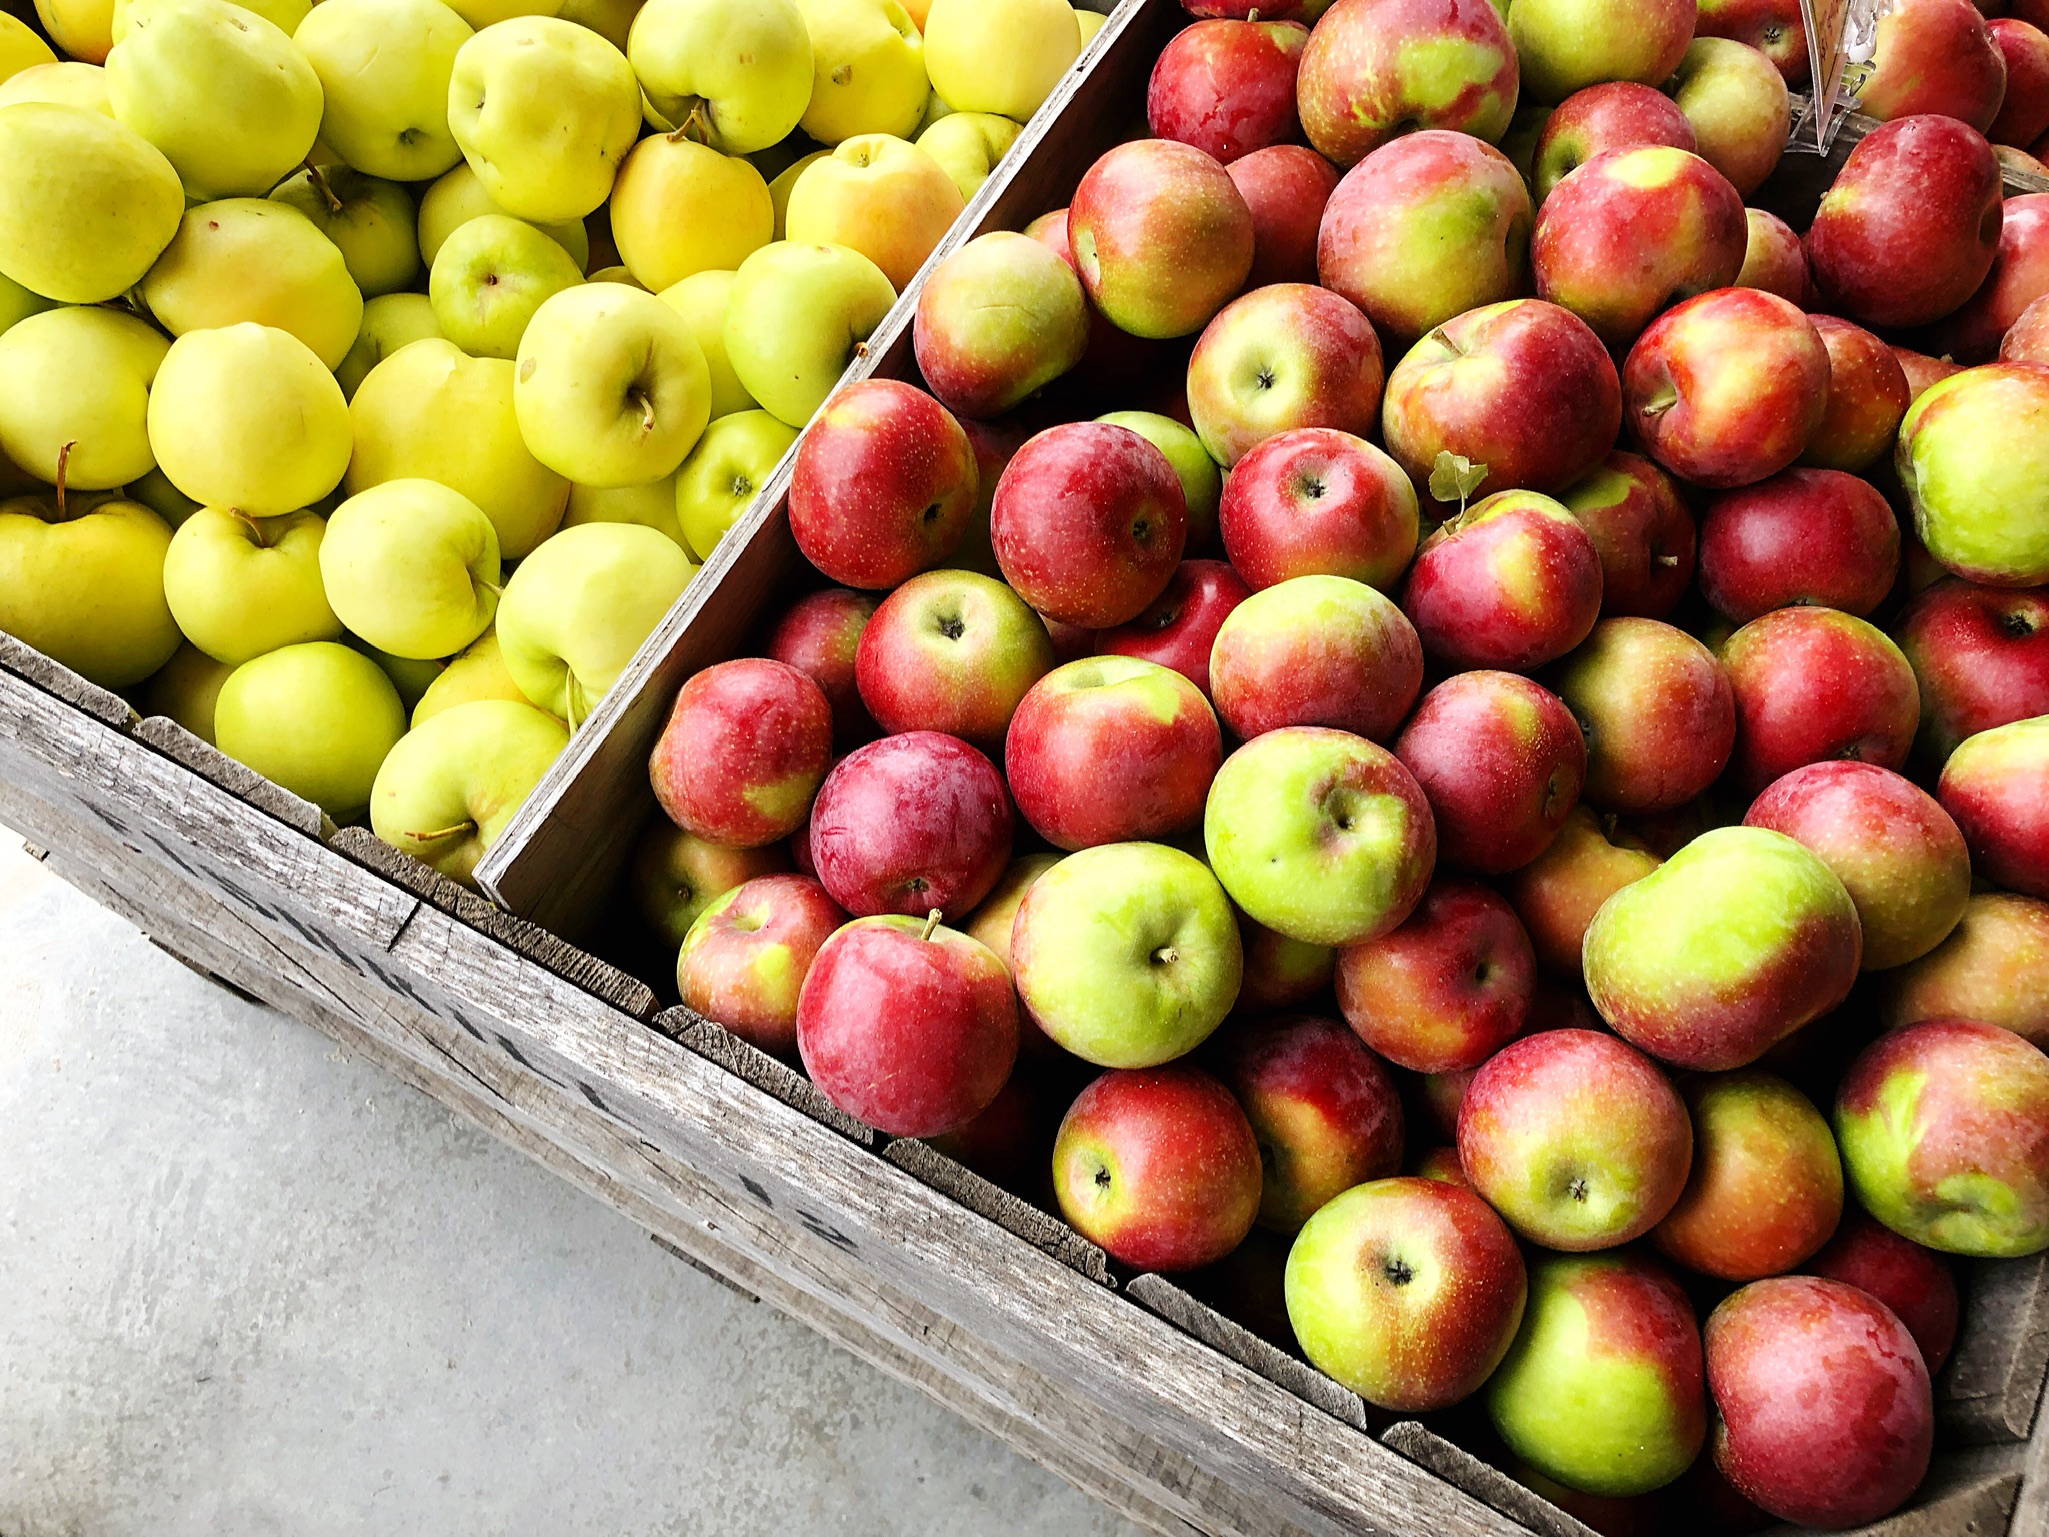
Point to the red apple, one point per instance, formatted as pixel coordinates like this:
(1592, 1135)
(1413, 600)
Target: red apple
(1178, 628)
(1282, 358)
(1316, 651)
(1112, 360)
(907, 1026)
(1286, 187)
(2027, 339)
(1989, 969)
(1736, 100)
(882, 486)
(992, 920)
(1159, 1166)
(2019, 276)
(1446, 989)
(1727, 388)
(1812, 684)
(1634, 230)
(1228, 87)
(1642, 531)
(819, 635)
(1322, 1107)
(676, 875)
(744, 750)
(1916, 1283)
(1619, 114)
(1868, 394)
(997, 321)
(1886, 260)
(1996, 785)
(1377, 68)
(1501, 760)
(1442, 1165)
(1440, 1095)
(1161, 236)
(1088, 523)
(1935, 56)
(1921, 371)
(1801, 536)
(1557, 894)
(911, 823)
(1825, 1413)
(1112, 750)
(745, 959)
(1658, 714)
(1775, 28)
(1773, 258)
(1513, 582)
(1980, 656)
(1304, 11)
(1281, 973)
(1319, 502)
(2024, 109)
(1008, 1144)
(951, 651)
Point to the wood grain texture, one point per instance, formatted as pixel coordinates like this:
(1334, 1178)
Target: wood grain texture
(1455, 1465)
(1989, 1389)
(1021, 1219)
(744, 1060)
(31, 666)
(239, 780)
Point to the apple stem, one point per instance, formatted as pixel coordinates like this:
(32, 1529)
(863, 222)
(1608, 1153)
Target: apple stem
(63, 465)
(443, 832)
(647, 408)
(931, 922)
(695, 123)
(1664, 560)
(319, 180)
(1166, 955)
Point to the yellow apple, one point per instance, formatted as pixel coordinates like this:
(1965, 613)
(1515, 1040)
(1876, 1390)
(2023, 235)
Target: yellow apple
(724, 473)
(652, 505)
(868, 74)
(935, 108)
(485, 13)
(452, 784)
(85, 203)
(317, 718)
(740, 69)
(156, 492)
(74, 395)
(77, 85)
(86, 586)
(411, 676)
(17, 304)
(610, 19)
(785, 180)
(796, 317)
(459, 197)
(1000, 56)
(184, 690)
(1091, 22)
(679, 208)
(384, 67)
(884, 197)
(488, 279)
(412, 567)
(239, 587)
(83, 29)
(702, 300)
(370, 219)
(479, 673)
(20, 47)
(968, 145)
(390, 321)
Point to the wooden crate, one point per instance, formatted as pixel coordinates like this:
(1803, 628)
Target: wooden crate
(1149, 1400)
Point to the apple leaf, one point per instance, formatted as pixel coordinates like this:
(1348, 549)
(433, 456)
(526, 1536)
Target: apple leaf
(1455, 477)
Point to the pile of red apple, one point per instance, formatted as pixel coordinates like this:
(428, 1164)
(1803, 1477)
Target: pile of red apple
(1619, 729)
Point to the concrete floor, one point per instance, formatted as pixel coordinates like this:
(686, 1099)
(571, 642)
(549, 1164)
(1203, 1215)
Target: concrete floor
(249, 1285)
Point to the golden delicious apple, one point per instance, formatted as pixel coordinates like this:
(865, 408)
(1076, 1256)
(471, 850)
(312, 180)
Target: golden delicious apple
(156, 492)
(20, 47)
(739, 69)
(370, 219)
(74, 395)
(868, 71)
(247, 417)
(84, 585)
(17, 304)
(384, 67)
(412, 567)
(679, 208)
(797, 317)
(785, 182)
(611, 388)
(884, 197)
(432, 412)
(968, 145)
(1090, 22)
(240, 586)
(451, 786)
(83, 29)
(610, 19)
(184, 690)
(701, 299)
(249, 259)
(459, 197)
(578, 608)
(618, 275)
(85, 203)
(488, 279)
(317, 718)
(935, 108)
(652, 505)
(75, 84)
(724, 473)
(411, 676)
(479, 673)
(222, 92)
(1000, 56)
(390, 321)
(544, 111)
(486, 13)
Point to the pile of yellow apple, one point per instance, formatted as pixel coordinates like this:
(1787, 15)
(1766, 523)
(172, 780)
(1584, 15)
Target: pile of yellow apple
(318, 431)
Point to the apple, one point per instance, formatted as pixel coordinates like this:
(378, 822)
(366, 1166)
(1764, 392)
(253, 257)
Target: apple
(1320, 835)
(1501, 761)
(384, 67)
(458, 197)
(2027, 339)
(1287, 188)
(74, 396)
(1996, 785)
(448, 788)
(1883, 260)
(21, 49)
(1568, 45)
(1202, 482)
(951, 651)
(1280, 359)
(743, 963)
(797, 317)
(889, 200)
(478, 673)
(1923, 372)
(412, 567)
(1934, 56)
(2024, 108)
(999, 56)
(1442, 1165)
(90, 234)
(1616, 114)
(868, 73)
(1604, 1387)
(1726, 388)
(651, 506)
(1972, 462)
(1754, 937)
(820, 635)
(1512, 582)
(703, 300)
(1111, 749)
(1575, 1138)
(998, 320)
(908, 824)
(1158, 1166)
(83, 583)
(1178, 629)
(1736, 100)
(1088, 523)
(1658, 714)
(2019, 276)
(1407, 1291)
(1316, 651)
(721, 477)
(1824, 1413)
(906, 1025)
(1801, 536)
(675, 876)
(1986, 970)
(1377, 68)
(1915, 1283)
(1228, 87)
(1774, 259)
(1318, 501)
(1813, 684)
(679, 208)
(185, 689)
(1161, 236)
(740, 72)
(1428, 226)
(1776, 28)
(1867, 396)
(317, 718)
(239, 587)
(1281, 973)
(1642, 531)
(742, 753)
(1559, 892)
(1980, 657)
(969, 146)
(993, 921)
(1523, 389)
(373, 223)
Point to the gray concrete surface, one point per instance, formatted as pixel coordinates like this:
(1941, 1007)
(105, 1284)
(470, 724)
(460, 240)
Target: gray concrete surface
(249, 1285)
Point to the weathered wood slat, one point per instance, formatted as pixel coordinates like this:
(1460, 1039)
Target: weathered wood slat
(239, 780)
(1994, 1378)
(717, 1044)
(30, 665)
(1483, 1481)
(1045, 1233)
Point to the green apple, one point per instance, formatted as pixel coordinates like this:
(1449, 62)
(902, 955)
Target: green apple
(86, 204)
(488, 279)
(371, 220)
(611, 388)
(968, 145)
(317, 718)
(680, 207)
(887, 199)
(390, 321)
(935, 109)
(1202, 483)
(246, 417)
(87, 589)
(652, 505)
(239, 587)
(450, 786)
(724, 473)
(75, 84)
(479, 673)
(411, 676)
(459, 197)
(430, 411)
(703, 299)
(20, 48)
(1127, 954)
(676, 875)
(784, 182)
(797, 317)
(248, 258)
(739, 69)
(412, 567)
(226, 95)
(184, 690)
(1000, 56)
(578, 608)
(384, 67)
(156, 492)
(868, 70)
(544, 111)
(74, 396)
(17, 304)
